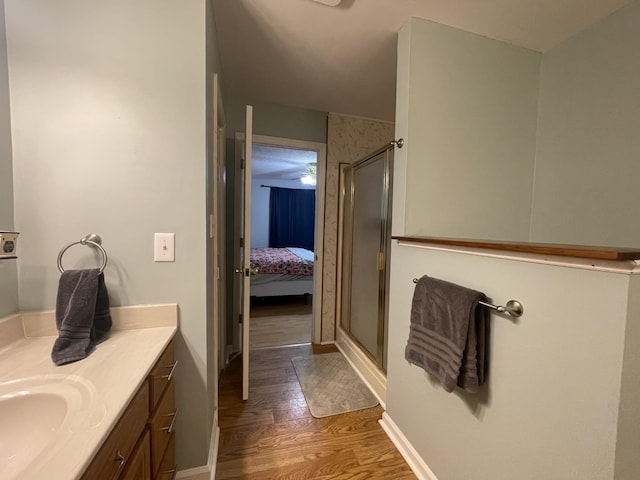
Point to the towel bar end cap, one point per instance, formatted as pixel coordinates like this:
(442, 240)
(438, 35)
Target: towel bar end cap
(514, 308)
(91, 238)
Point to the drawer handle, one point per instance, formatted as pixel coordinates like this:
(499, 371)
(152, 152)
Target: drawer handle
(169, 429)
(173, 368)
(122, 462)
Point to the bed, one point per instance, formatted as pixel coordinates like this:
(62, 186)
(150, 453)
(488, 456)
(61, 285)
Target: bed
(282, 271)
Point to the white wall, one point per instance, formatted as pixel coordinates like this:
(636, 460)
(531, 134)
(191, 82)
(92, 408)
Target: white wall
(108, 118)
(550, 407)
(588, 143)
(472, 112)
(8, 271)
(260, 207)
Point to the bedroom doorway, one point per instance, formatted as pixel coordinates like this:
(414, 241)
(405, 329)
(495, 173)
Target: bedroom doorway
(286, 240)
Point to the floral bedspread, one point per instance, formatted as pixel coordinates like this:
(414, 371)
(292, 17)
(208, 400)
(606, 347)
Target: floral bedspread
(280, 261)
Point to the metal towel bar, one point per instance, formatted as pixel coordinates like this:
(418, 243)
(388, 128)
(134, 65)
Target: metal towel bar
(91, 240)
(513, 307)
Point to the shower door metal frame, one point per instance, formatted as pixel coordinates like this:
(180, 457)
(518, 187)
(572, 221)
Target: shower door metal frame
(347, 193)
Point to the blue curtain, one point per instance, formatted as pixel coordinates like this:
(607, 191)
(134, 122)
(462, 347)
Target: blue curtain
(291, 217)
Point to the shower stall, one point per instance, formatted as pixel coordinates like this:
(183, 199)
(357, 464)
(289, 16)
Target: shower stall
(365, 224)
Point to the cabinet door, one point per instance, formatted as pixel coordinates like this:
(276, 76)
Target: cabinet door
(161, 426)
(161, 375)
(139, 465)
(112, 458)
(168, 466)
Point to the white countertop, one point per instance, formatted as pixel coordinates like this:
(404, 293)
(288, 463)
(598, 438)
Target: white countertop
(107, 379)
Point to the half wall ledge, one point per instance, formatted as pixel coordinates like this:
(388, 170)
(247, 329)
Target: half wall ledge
(575, 251)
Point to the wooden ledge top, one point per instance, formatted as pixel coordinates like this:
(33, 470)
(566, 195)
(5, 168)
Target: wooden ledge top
(579, 251)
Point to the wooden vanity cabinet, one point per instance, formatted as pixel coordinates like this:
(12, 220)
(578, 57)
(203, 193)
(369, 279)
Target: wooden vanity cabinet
(142, 444)
(139, 465)
(163, 415)
(112, 457)
(167, 470)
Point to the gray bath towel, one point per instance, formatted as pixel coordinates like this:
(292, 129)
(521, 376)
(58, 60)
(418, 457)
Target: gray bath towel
(448, 334)
(82, 315)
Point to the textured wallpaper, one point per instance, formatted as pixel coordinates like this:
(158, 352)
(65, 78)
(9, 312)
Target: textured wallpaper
(349, 139)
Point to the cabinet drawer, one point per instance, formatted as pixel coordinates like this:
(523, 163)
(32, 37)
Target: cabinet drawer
(139, 465)
(161, 426)
(168, 466)
(161, 375)
(116, 450)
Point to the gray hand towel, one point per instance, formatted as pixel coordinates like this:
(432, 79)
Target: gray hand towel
(82, 299)
(448, 334)
(102, 317)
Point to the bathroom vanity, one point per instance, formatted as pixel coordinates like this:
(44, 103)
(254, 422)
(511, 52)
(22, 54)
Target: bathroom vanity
(132, 451)
(111, 415)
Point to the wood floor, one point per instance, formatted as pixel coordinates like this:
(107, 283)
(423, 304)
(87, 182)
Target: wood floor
(279, 330)
(272, 436)
(277, 321)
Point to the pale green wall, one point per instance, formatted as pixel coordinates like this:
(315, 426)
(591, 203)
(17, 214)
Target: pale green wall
(550, 407)
(8, 271)
(510, 145)
(108, 117)
(587, 165)
(627, 460)
(277, 120)
(576, 414)
(472, 111)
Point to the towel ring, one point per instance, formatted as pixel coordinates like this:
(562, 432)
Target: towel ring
(92, 240)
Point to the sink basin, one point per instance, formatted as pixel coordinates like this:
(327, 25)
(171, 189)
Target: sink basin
(37, 416)
(28, 424)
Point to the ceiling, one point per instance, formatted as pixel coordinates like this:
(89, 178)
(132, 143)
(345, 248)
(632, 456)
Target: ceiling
(343, 59)
(280, 163)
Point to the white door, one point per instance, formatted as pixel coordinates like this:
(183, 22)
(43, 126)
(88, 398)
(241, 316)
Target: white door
(245, 247)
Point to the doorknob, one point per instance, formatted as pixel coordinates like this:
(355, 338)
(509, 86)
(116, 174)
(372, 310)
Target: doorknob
(249, 271)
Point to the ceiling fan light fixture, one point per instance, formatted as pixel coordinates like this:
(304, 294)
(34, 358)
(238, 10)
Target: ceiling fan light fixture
(308, 180)
(312, 173)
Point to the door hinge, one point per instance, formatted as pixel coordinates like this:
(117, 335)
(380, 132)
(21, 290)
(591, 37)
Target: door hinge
(240, 318)
(241, 242)
(242, 164)
(381, 261)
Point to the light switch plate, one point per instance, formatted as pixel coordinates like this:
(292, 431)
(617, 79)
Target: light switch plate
(164, 247)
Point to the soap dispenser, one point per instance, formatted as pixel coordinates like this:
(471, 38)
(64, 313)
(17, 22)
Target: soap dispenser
(8, 245)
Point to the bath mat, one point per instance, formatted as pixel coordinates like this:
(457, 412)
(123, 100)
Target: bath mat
(331, 386)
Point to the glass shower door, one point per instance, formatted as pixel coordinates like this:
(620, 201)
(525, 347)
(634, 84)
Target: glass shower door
(365, 244)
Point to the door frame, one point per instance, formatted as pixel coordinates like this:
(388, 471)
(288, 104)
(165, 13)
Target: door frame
(217, 225)
(321, 151)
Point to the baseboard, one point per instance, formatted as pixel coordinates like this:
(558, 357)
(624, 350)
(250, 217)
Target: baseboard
(415, 461)
(370, 374)
(208, 471)
(198, 473)
(213, 450)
